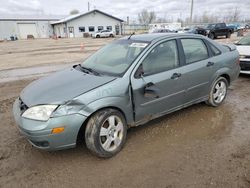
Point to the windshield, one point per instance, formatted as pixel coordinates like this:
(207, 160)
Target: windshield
(115, 58)
(244, 41)
(210, 26)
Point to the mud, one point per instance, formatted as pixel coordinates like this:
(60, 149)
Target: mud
(199, 146)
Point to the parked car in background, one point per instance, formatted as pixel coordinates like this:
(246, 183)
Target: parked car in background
(218, 29)
(163, 31)
(243, 46)
(247, 25)
(197, 30)
(124, 84)
(234, 27)
(103, 33)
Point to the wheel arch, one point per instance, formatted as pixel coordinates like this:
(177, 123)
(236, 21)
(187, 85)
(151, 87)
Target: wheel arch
(227, 77)
(80, 136)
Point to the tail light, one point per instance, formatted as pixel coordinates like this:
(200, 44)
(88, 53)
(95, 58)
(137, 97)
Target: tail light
(238, 61)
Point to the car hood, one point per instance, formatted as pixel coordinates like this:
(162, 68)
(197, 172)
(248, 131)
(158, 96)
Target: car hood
(61, 87)
(243, 50)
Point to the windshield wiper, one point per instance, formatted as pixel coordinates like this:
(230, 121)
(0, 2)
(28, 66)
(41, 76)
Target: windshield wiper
(88, 70)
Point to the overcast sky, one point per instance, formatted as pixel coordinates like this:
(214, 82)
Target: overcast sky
(124, 8)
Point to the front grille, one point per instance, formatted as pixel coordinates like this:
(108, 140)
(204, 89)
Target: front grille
(23, 107)
(245, 65)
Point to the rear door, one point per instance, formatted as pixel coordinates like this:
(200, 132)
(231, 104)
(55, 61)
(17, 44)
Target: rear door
(163, 73)
(200, 68)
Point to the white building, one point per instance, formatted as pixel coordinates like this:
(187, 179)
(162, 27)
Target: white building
(21, 26)
(90, 22)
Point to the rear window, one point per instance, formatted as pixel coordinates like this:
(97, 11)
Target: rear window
(195, 50)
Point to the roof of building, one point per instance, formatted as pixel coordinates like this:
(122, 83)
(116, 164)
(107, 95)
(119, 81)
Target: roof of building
(75, 16)
(30, 17)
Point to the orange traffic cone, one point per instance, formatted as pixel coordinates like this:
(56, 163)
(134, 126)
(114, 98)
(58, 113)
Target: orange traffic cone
(81, 46)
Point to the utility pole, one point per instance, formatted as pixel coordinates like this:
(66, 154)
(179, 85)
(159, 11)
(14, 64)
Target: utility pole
(88, 6)
(191, 11)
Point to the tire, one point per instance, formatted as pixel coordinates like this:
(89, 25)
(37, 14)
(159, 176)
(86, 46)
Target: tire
(211, 36)
(228, 35)
(106, 132)
(97, 36)
(218, 92)
(111, 35)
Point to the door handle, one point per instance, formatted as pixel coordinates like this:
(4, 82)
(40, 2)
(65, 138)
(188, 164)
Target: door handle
(210, 64)
(176, 76)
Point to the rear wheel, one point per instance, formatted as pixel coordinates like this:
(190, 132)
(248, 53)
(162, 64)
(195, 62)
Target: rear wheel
(111, 35)
(106, 132)
(218, 92)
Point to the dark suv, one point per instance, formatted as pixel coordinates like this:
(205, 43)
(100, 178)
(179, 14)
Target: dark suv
(218, 29)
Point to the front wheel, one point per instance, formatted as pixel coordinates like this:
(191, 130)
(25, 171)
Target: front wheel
(211, 36)
(106, 133)
(218, 92)
(228, 35)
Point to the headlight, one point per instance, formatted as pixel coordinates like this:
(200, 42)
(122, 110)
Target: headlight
(41, 112)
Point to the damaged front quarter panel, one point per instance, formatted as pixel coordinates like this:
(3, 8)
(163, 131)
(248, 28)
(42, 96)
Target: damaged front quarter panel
(71, 107)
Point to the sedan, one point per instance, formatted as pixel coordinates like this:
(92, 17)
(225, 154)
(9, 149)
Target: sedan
(243, 46)
(124, 84)
(103, 33)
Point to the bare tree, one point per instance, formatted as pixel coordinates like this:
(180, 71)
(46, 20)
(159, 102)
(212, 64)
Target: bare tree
(236, 15)
(74, 11)
(146, 17)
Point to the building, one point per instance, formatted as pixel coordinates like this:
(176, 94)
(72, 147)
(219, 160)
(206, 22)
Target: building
(21, 26)
(90, 22)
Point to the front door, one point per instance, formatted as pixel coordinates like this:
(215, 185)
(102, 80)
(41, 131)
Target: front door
(71, 32)
(162, 73)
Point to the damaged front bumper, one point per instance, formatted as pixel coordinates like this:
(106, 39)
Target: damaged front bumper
(39, 133)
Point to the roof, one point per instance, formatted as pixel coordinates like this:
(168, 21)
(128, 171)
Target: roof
(75, 16)
(30, 17)
(158, 36)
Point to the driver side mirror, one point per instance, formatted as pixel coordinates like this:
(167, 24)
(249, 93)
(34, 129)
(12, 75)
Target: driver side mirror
(139, 73)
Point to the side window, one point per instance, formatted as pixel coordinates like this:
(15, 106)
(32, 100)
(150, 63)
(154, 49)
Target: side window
(91, 28)
(162, 58)
(215, 50)
(81, 29)
(100, 28)
(109, 28)
(194, 50)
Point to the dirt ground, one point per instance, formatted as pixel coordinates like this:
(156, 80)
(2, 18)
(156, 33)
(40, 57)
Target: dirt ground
(199, 146)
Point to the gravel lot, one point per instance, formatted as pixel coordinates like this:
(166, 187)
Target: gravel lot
(199, 146)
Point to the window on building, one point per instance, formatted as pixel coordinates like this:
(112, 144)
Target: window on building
(91, 29)
(81, 29)
(100, 28)
(109, 28)
(64, 30)
(195, 50)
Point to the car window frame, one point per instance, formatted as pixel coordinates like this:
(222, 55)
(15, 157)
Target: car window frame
(209, 52)
(179, 64)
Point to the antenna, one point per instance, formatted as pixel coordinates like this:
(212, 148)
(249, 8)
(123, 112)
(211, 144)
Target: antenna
(131, 35)
(88, 6)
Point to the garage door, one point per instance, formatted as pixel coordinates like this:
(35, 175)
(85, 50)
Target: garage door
(26, 29)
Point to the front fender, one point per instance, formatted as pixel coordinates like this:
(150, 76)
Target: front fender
(122, 103)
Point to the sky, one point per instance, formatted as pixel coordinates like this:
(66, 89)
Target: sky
(123, 8)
